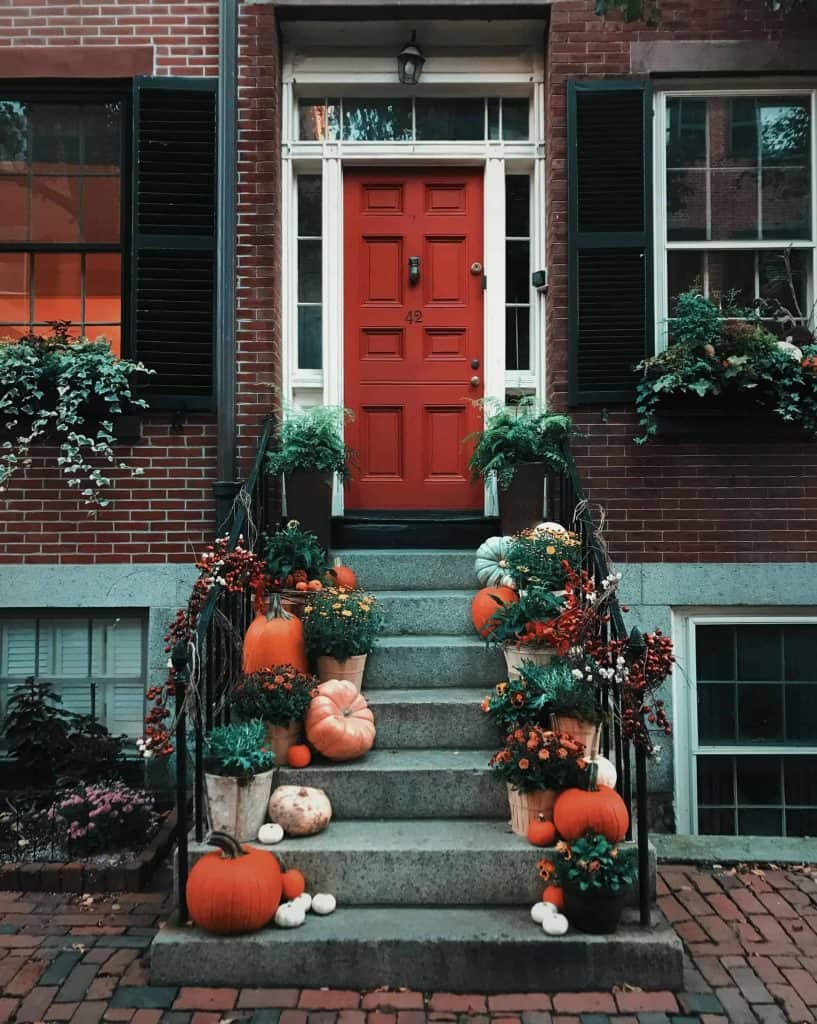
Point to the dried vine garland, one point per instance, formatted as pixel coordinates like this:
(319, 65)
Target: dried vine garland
(649, 11)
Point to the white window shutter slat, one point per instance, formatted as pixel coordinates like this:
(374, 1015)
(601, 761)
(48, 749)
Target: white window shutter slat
(76, 697)
(69, 644)
(19, 648)
(126, 707)
(117, 648)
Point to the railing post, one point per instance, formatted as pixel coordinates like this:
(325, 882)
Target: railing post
(636, 649)
(181, 675)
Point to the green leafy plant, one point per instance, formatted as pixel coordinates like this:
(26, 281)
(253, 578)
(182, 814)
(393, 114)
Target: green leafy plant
(341, 623)
(536, 758)
(239, 750)
(570, 686)
(511, 622)
(593, 862)
(36, 728)
(103, 817)
(523, 433)
(93, 752)
(516, 702)
(312, 439)
(731, 360)
(280, 695)
(56, 387)
(293, 550)
(543, 557)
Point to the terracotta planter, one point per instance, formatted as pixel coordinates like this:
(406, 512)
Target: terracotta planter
(596, 911)
(588, 733)
(527, 807)
(514, 656)
(523, 504)
(237, 806)
(352, 669)
(309, 500)
(293, 601)
(280, 738)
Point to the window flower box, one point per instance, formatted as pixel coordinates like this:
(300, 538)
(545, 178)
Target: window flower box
(732, 419)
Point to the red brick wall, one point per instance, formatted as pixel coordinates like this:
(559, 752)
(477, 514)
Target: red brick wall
(710, 503)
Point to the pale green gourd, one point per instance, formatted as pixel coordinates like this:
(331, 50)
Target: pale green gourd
(490, 564)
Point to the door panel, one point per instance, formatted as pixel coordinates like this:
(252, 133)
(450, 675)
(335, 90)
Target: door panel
(412, 348)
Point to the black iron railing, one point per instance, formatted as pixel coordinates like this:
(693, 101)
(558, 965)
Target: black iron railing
(213, 657)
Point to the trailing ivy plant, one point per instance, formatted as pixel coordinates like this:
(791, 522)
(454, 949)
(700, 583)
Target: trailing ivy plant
(649, 11)
(51, 387)
(312, 440)
(714, 357)
(526, 432)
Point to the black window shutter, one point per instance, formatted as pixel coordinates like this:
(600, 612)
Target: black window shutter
(610, 328)
(173, 241)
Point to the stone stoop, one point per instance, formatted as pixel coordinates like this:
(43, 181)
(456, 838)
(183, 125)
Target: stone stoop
(433, 888)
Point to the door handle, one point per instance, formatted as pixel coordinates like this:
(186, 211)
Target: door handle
(475, 381)
(414, 269)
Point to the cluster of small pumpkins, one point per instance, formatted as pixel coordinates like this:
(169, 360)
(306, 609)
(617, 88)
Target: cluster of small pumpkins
(236, 889)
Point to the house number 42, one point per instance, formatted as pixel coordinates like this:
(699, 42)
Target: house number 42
(414, 316)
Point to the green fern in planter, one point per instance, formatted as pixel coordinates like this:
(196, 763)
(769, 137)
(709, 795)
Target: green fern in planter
(312, 440)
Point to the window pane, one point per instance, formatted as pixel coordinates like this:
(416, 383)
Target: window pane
(784, 131)
(716, 822)
(715, 780)
(714, 652)
(455, 119)
(766, 822)
(716, 713)
(801, 780)
(517, 271)
(775, 282)
(686, 205)
(685, 270)
(309, 338)
(14, 196)
(55, 209)
(786, 202)
(14, 297)
(517, 205)
(318, 121)
(760, 652)
(377, 120)
(800, 652)
(57, 287)
(517, 338)
(760, 712)
(100, 209)
(515, 119)
(758, 780)
(493, 119)
(13, 136)
(309, 271)
(734, 205)
(801, 823)
(732, 278)
(102, 131)
(686, 132)
(55, 137)
(103, 285)
(309, 205)
(801, 713)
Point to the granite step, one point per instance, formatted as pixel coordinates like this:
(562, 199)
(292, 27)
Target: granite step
(442, 719)
(432, 662)
(427, 612)
(420, 569)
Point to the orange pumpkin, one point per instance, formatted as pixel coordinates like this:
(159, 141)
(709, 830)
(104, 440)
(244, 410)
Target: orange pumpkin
(234, 889)
(278, 640)
(484, 606)
(299, 755)
(314, 585)
(541, 832)
(293, 884)
(553, 894)
(342, 576)
(601, 811)
(300, 585)
(339, 722)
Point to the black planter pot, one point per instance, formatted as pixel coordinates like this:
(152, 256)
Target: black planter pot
(521, 506)
(309, 500)
(596, 911)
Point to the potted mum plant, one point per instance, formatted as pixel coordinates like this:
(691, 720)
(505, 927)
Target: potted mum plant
(280, 697)
(309, 454)
(341, 628)
(595, 875)
(514, 628)
(296, 564)
(536, 764)
(571, 687)
(514, 703)
(238, 778)
(518, 446)
(543, 556)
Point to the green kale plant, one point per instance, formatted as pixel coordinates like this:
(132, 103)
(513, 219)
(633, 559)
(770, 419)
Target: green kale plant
(239, 750)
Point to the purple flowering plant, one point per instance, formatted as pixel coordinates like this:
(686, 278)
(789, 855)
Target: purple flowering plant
(103, 817)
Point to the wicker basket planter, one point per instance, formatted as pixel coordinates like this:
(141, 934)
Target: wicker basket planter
(533, 805)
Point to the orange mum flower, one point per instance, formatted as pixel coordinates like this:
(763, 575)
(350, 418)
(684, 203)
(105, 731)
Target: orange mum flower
(524, 764)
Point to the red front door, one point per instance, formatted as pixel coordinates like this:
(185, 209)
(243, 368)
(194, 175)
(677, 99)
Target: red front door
(413, 337)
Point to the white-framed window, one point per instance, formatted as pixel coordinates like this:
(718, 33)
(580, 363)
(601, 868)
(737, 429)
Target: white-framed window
(746, 711)
(736, 198)
(96, 662)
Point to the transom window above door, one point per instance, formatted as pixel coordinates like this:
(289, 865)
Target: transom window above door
(414, 119)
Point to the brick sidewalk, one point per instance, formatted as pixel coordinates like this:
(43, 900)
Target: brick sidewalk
(751, 938)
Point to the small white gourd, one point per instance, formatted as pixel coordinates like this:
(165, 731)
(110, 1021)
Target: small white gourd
(323, 903)
(540, 911)
(556, 528)
(304, 901)
(290, 915)
(270, 834)
(555, 924)
(607, 775)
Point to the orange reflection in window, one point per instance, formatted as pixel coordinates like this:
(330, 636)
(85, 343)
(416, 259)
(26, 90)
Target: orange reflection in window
(13, 288)
(58, 287)
(55, 209)
(100, 209)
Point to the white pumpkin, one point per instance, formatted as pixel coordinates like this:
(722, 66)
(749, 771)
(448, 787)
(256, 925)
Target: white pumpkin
(550, 528)
(323, 903)
(607, 774)
(290, 915)
(300, 810)
(540, 911)
(304, 901)
(270, 834)
(490, 565)
(555, 924)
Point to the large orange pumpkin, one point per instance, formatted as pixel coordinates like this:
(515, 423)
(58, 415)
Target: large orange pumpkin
(339, 722)
(234, 889)
(274, 639)
(483, 607)
(600, 811)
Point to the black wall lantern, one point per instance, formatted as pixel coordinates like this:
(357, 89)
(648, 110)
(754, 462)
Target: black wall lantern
(410, 62)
